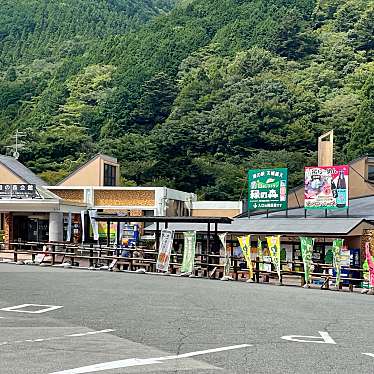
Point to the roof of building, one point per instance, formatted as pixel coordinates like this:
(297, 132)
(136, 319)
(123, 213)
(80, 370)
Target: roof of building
(99, 155)
(21, 171)
(336, 223)
(274, 226)
(163, 219)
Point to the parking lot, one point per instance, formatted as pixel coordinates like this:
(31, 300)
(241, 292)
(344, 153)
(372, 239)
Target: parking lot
(78, 321)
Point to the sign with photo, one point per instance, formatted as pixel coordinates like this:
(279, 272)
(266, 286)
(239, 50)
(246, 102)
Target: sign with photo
(18, 191)
(267, 189)
(326, 187)
(164, 251)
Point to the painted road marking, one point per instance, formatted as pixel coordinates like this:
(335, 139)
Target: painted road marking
(21, 308)
(144, 361)
(58, 337)
(325, 338)
(369, 354)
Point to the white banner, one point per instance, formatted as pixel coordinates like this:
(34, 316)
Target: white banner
(94, 224)
(68, 233)
(166, 244)
(82, 226)
(226, 269)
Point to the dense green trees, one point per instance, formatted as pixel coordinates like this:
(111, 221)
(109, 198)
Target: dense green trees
(194, 97)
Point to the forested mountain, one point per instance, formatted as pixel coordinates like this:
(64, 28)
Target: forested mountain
(192, 98)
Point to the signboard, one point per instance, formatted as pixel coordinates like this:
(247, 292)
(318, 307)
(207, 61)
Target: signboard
(267, 189)
(326, 187)
(166, 244)
(18, 191)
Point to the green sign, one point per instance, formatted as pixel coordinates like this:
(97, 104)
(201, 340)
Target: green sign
(267, 189)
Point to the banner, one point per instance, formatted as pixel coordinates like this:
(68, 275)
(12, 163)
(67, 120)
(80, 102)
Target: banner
(369, 267)
(337, 246)
(82, 226)
(166, 244)
(94, 224)
(68, 232)
(245, 244)
(326, 187)
(189, 252)
(274, 249)
(307, 245)
(227, 265)
(260, 254)
(267, 189)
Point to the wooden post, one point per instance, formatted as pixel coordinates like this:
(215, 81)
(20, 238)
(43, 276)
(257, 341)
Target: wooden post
(108, 232)
(118, 238)
(257, 269)
(208, 249)
(157, 235)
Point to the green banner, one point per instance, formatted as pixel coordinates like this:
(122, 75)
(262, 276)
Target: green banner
(189, 252)
(307, 245)
(267, 189)
(337, 246)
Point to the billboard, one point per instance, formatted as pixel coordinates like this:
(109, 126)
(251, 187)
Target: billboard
(326, 187)
(267, 189)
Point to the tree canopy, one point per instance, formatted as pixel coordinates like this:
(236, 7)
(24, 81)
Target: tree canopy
(187, 94)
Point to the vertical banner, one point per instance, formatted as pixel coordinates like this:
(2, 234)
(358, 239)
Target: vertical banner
(274, 249)
(260, 254)
(189, 252)
(227, 265)
(166, 243)
(245, 244)
(307, 245)
(337, 246)
(94, 224)
(82, 226)
(370, 263)
(68, 233)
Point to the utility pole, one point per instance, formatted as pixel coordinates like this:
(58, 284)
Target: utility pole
(18, 144)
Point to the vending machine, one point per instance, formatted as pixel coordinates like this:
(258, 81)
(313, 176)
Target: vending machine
(130, 235)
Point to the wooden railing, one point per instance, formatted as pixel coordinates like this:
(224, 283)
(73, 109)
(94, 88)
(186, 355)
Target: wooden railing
(206, 265)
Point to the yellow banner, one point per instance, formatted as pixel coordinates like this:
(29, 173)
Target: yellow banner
(245, 245)
(274, 249)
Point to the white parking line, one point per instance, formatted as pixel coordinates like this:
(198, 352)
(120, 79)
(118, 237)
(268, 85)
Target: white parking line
(22, 308)
(57, 337)
(144, 361)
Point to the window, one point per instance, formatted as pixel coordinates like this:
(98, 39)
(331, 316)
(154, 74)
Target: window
(110, 175)
(371, 172)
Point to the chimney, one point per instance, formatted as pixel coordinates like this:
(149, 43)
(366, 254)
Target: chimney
(326, 149)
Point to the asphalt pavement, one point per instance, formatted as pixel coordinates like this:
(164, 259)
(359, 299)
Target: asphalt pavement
(78, 321)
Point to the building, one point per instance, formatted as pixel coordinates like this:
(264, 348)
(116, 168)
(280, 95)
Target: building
(32, 211)
(216, 208)
(29, 211)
